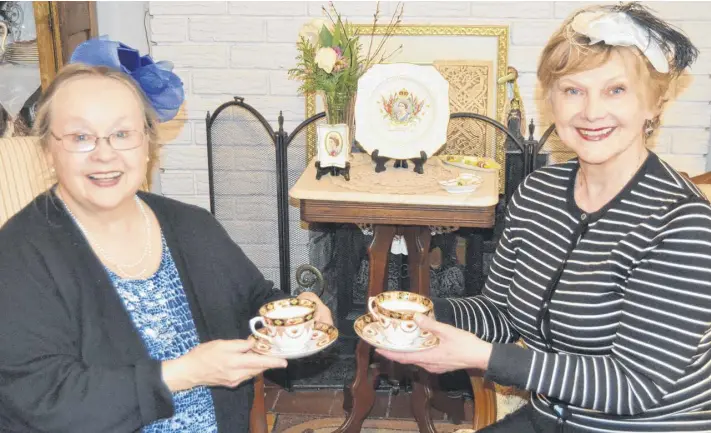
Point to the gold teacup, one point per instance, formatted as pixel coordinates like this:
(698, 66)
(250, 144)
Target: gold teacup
(289, 323)
(395, 311)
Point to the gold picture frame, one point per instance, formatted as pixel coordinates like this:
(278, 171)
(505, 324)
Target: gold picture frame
(499, 41)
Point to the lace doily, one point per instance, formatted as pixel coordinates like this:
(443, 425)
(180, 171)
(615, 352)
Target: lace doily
(395, 180)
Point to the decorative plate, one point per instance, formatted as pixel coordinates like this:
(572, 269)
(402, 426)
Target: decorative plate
(323, 336)
(471, 162)
(402, 109)
(368, 329)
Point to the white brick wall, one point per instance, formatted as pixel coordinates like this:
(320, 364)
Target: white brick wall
(222, 49)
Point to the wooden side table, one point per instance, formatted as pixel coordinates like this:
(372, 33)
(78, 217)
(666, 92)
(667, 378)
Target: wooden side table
(392, 214)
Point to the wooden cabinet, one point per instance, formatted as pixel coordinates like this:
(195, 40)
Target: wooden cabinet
(61, 26)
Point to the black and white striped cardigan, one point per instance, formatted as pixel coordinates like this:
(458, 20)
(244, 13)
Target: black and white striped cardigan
(630, 316)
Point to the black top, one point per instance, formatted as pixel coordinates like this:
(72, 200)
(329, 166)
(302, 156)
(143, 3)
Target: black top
(624, 343)
(71, 360)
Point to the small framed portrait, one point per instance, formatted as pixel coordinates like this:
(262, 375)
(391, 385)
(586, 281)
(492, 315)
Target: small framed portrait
(333, 145)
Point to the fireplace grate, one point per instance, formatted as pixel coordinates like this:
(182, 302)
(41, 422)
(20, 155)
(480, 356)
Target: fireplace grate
(251, 168)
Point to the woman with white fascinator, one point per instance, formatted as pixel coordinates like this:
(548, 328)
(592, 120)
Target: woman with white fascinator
(603, 268)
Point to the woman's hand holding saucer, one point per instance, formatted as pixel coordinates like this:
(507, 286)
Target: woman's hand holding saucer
(457, 349)
(217, 363)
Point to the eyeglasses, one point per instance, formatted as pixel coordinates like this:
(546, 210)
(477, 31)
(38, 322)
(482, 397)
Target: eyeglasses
(82, 143)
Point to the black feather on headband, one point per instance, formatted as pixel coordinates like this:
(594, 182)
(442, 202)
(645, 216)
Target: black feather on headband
(676, 45)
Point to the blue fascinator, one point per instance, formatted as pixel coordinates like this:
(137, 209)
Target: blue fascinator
(161, 86)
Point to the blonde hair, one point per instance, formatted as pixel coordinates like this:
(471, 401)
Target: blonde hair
(41, 127)
(567, 52)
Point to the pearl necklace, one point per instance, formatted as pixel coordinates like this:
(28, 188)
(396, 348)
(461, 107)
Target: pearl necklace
(121, 267)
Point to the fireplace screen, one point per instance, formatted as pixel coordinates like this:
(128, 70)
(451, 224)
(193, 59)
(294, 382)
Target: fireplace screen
(243, 179)
(251, 168)
(300, 234)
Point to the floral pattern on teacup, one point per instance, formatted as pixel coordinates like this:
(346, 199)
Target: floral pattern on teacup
(262, 345)
(402, 296)
(324, 334)
(370, 330)
(321, 336)
(365, 320)
(286, 303)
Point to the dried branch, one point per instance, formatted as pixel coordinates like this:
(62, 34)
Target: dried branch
(372, 31)
(395, 21)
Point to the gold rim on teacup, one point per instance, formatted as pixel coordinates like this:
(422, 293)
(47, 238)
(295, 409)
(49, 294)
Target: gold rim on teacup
(402, 296)
(286, 303)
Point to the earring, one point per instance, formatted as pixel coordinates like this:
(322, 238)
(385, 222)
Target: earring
(649, 126)
(148, 158)
(51, 169)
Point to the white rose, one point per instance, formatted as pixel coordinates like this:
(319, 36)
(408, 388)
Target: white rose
(311, 30)
(326, 58)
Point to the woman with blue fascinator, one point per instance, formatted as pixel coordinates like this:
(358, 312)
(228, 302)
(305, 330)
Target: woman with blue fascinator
(603, 269)
(121, 310)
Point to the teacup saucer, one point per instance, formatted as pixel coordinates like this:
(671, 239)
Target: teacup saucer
(323, 336)
(370, 331)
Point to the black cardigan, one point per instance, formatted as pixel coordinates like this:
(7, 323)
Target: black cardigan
(71, 359)
(630, 303)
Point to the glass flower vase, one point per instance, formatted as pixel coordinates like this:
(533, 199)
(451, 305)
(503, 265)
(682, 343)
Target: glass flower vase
(340, 109)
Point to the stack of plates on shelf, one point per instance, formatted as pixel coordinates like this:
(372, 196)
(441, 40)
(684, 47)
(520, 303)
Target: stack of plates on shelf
(22, 53)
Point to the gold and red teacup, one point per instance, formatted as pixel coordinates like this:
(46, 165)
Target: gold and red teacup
(395, 311)
(289, 323)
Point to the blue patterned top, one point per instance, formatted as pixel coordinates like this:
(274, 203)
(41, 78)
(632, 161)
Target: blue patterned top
(159, 309)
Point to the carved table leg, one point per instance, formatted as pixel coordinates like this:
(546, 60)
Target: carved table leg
(418, 250)
(418, 257)
(361, 390)
(426, 391)
(421, 395)
(258, 414)
(361, 396)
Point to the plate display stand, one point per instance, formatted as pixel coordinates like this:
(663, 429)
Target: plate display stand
(380, 162)
(333, 171)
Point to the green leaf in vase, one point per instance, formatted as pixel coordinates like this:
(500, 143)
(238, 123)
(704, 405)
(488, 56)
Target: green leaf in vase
(325, 37)
(337, 34)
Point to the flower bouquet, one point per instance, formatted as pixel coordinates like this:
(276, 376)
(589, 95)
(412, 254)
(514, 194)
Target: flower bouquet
(332, 59)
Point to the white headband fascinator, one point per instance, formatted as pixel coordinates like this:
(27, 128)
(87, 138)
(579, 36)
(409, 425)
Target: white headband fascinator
(632, 24)
(618, 29)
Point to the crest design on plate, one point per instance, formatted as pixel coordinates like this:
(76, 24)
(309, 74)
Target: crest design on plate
(402, 108)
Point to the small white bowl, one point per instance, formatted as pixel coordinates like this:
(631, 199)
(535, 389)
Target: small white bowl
(465, 183)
